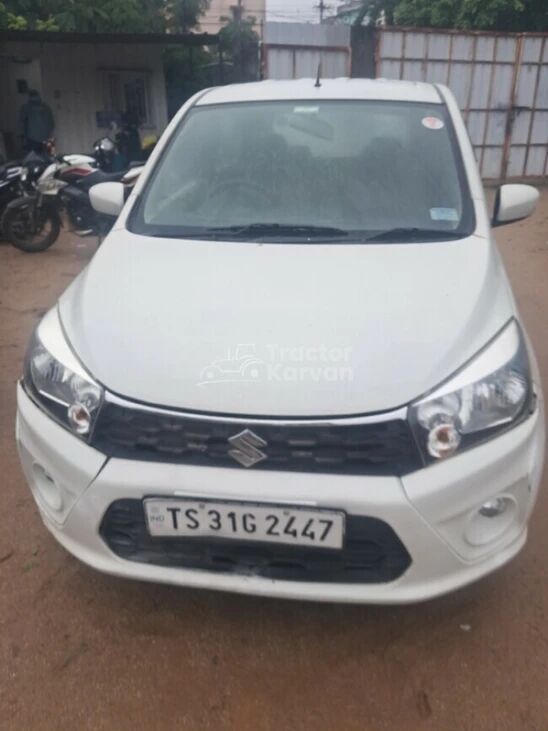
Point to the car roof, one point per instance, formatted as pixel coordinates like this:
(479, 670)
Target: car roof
(343, 89)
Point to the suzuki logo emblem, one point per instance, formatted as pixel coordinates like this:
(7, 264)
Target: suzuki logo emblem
(245, 448)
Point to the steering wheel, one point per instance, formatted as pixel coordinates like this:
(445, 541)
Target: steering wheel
(236, 186)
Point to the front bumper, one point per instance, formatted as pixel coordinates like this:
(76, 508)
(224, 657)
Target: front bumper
(433, 511)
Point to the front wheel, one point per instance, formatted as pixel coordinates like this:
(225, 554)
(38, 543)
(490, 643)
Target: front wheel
(29, 228)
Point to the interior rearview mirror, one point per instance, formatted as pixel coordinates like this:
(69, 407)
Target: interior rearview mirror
(107, 198)
(514, 202)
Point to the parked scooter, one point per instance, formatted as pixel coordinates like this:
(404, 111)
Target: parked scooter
(32, 223)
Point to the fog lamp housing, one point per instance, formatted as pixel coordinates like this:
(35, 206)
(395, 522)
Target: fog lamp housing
(47, 488)
(491, 520)
(496, 507)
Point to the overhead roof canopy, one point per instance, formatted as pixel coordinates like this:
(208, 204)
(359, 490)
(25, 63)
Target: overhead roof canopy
(164, 39)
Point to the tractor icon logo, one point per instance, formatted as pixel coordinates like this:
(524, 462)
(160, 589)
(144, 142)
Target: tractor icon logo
(241, 365)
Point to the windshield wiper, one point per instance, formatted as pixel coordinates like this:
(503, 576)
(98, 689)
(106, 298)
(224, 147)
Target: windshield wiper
(403, 234)
(276, 229)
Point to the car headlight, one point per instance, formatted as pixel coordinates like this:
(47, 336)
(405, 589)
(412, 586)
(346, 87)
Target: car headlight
(491, 393)
(57, 382)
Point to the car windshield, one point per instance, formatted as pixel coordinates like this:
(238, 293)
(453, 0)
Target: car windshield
(305, 171)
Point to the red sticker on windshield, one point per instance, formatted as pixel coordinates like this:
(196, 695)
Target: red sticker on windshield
(432, 122)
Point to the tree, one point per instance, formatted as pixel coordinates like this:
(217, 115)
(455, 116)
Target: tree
(238, 41)
(102, 16)
(505, 15)
(375, 9)
(183, 15)
(501, 15)
(238, 35)
(11, 20)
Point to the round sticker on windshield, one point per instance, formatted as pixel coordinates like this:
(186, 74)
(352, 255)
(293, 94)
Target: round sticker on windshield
(432, 123)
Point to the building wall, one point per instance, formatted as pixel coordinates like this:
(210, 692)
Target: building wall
(211, 20)
(71, 79)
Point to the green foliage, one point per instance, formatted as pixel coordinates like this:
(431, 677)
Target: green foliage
(48, 24)
(102, 16)
(186, 72)
(238, 43)
(237, 36)
(501, 15)
(509, 15)
(132, 16)
(183, 15)
(374, 9)
(184, 65)
(10, 20)
(17, 22)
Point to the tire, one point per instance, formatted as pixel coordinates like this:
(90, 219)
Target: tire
(15, 229)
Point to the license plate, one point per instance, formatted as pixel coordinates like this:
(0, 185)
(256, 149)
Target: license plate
(245, 521)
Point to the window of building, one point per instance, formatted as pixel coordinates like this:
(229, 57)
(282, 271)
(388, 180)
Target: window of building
(128, 92)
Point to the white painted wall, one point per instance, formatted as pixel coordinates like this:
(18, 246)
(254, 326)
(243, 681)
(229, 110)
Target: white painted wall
(210, 21)
(70, 77)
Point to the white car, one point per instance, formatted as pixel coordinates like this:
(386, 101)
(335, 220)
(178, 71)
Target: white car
(389, 445)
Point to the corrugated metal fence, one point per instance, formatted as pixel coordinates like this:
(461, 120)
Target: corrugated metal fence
(294, 50)
(500, 82)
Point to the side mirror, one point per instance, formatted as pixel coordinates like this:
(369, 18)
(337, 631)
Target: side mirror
(514, 202)
(107, 198)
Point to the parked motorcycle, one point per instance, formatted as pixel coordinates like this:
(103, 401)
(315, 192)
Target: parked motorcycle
(32, 222)
(18, 178)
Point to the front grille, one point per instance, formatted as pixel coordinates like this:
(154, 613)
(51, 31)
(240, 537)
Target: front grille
(372, 552)
(384, 447)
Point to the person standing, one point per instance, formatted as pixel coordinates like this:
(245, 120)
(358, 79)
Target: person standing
(35, 122)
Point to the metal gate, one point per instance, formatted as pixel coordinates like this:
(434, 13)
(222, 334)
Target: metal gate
(500, 82)
(296, 50)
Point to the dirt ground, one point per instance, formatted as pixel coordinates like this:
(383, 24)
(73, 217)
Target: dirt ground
(79, 650)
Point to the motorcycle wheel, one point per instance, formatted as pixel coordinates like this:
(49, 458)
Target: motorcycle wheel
(28, 235)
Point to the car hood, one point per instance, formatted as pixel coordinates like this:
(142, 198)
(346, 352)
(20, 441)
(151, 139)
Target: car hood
(282, 330)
